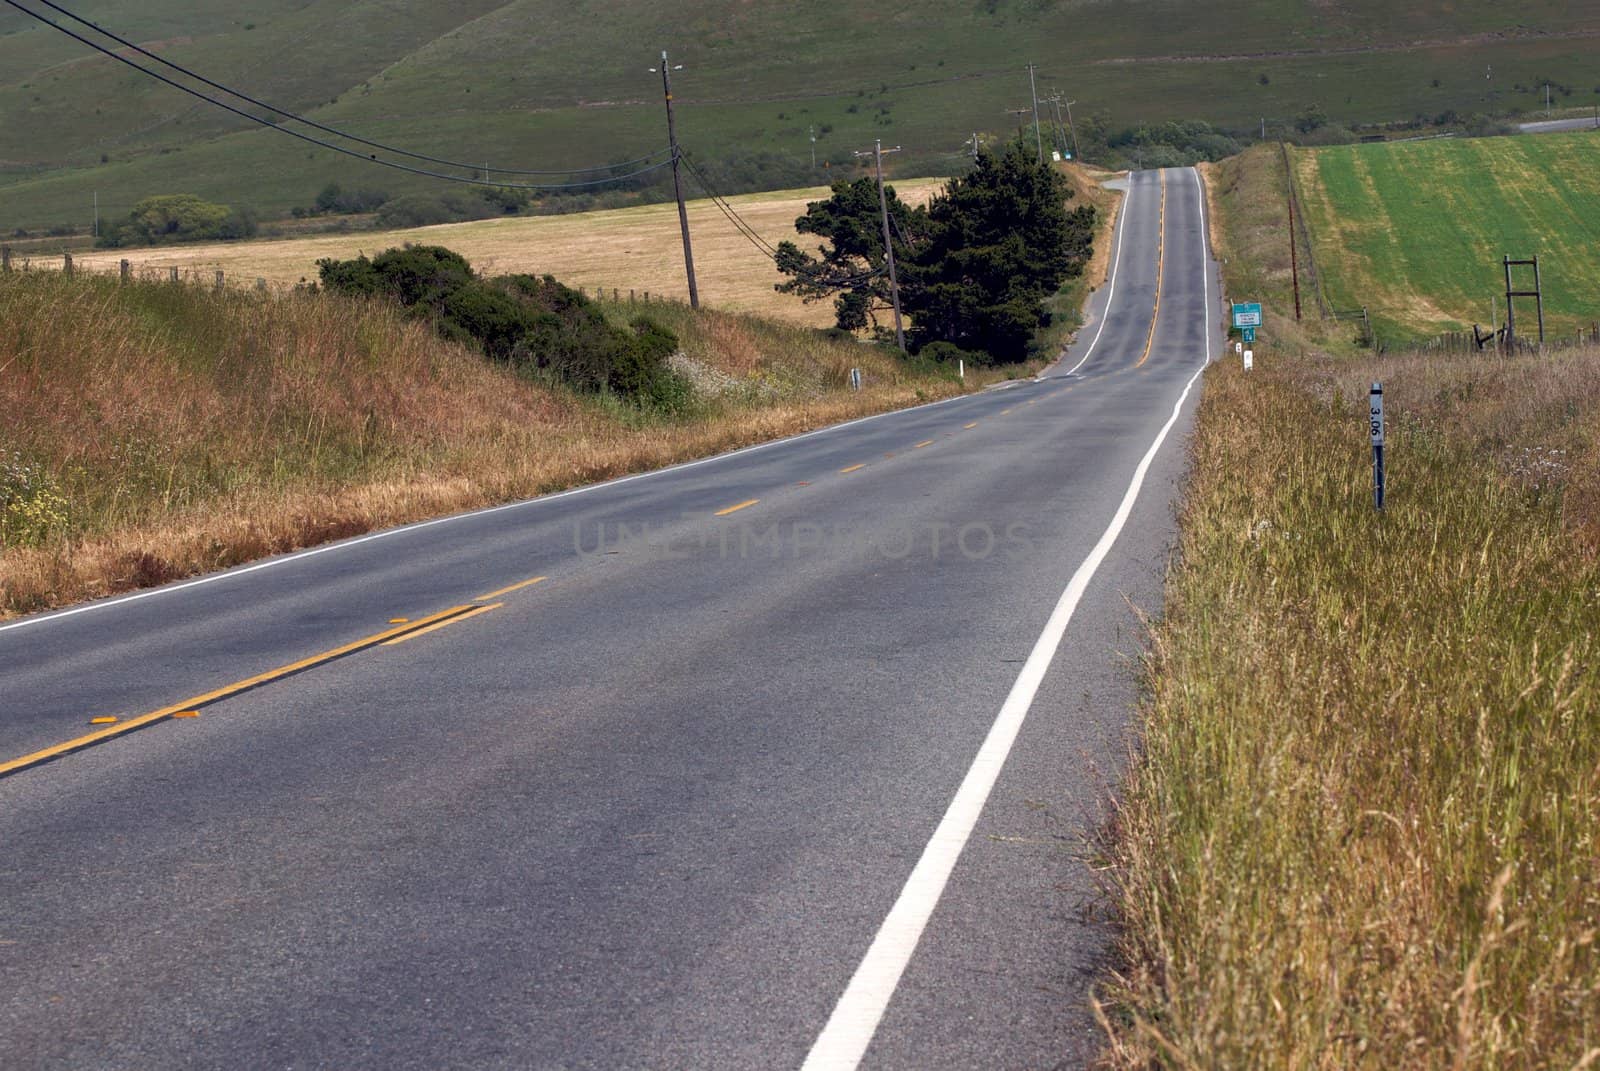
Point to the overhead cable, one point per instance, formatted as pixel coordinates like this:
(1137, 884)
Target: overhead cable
(368, 157)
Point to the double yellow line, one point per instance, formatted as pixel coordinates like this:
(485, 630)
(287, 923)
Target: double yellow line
(1161, 270)
(187, 706)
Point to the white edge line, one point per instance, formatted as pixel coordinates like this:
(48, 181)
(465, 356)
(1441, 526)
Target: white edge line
(1205, 258)
(1111, 290)
(328, 548)
(850, 1029)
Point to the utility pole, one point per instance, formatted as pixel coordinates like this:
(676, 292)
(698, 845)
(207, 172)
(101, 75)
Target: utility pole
(1019, 113)
(813, 131)
(888, 246)
(976, 146)
(1058, 133)
(1073, 127)
(1034, 91)
(97, 213)
(1294, 257)
(677, 179)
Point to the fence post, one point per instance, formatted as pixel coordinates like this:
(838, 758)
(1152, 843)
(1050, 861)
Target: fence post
(1375, 428)
(66, 263)
(5, 258)
(125, 270)
(173, 274)
(261, 285)
(220, 283)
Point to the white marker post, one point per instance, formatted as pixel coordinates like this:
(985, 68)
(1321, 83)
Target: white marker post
(1375, 408)
(1249, 359)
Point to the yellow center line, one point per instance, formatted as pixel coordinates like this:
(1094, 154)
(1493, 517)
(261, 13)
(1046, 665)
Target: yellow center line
(852, 468)
(925, 442)
(510, 589)
(57, 750)
(441, 624)
(1161, 270)
(972, 425)
(746, 504)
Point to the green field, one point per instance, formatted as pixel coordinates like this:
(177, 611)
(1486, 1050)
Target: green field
(535, 83)
(1416, 231)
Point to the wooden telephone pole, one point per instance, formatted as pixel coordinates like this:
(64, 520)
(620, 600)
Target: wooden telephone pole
(888, 246)
(677, 180)
(1033, 90)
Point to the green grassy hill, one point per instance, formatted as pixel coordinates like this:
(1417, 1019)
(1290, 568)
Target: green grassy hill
(1416, 231)
(537, 83)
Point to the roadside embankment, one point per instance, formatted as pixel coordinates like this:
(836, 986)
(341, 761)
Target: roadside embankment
(155, 431)
(1362, 828)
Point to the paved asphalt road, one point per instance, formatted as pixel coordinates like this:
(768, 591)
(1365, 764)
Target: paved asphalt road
(653, 810)
(1553, 126)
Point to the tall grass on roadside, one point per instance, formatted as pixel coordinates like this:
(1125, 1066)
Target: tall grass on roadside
(1364, 829)
(153, 431)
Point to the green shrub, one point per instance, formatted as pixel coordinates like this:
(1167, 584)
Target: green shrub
(940, 352)
(414, 275)
(336, 200)
(528, 321)
(180, 217)
(427, 210)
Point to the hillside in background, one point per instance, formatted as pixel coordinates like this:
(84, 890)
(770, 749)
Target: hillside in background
(535, 83)
(1416, 232)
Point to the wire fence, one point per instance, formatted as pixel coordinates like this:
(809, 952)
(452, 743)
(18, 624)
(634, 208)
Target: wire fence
(1480, 341)
(217, 279)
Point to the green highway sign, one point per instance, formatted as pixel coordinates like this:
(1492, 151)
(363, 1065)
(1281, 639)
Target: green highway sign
(1247, 315)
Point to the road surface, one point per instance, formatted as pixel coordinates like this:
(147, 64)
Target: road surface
(788, 755)
(1553, 126)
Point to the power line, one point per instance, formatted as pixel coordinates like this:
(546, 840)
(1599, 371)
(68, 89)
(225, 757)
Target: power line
(899, 233)
(728, 210)
(322, 127)
(767, 249)
(370, 158)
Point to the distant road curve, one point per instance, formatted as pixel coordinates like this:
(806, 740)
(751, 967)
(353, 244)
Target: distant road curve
(1553, 126)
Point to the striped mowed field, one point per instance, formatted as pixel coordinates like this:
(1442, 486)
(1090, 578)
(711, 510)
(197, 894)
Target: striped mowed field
(1416, 231)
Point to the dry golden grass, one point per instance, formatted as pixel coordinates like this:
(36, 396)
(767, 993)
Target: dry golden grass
(1364, 827)
(1361, 831)
(1088, 187)
(162, 431)
(622, 249)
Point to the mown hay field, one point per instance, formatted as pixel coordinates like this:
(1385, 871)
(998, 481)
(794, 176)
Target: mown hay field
(630, 249)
